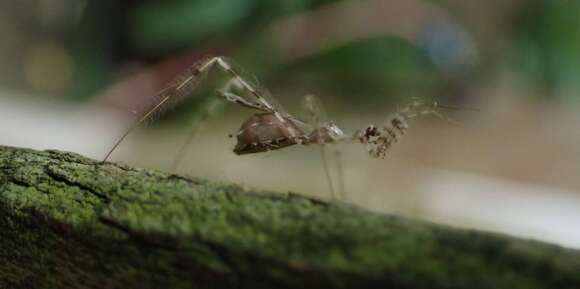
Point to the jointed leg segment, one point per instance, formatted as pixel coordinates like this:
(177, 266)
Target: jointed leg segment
(186, 82)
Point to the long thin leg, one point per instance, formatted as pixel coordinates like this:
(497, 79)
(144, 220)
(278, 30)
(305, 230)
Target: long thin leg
(208, 111)
(418, 108)
(341, 187)
(259, 97)
(316, 117)
(241, 101)
(224, 93)
(141, 120)
(228, 68)
(186, 82)
(327, 171)
(183, 149)
(183, 84)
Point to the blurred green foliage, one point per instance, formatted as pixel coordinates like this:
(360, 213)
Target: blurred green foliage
(547, 45)
(377, 70)
(162, 26)
(92, 44)
(543, 47)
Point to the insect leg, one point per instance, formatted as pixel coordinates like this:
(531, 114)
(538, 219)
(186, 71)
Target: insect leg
(341, 186)
(227, 67)
(224, 93)
(134, 126)
(209, 109)
(181, 86)
(327, 171)
(231, 97)
(418, 108)
(224, 65)
(320, 135)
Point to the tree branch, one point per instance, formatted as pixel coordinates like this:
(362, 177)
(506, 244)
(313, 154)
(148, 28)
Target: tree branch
(71, 222)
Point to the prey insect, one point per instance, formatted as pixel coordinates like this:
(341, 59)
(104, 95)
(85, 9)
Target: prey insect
(270, 127)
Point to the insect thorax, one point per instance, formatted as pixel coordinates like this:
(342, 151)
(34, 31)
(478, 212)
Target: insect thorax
(327, 133)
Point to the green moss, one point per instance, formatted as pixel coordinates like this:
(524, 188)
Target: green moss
(110, 225)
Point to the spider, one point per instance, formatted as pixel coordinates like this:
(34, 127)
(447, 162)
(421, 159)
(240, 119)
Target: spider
(271, 128)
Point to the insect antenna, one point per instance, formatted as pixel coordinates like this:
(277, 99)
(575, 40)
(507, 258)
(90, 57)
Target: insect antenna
(435, 105)
(457, 107)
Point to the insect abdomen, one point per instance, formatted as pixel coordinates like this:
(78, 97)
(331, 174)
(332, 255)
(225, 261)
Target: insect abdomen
(264, 132)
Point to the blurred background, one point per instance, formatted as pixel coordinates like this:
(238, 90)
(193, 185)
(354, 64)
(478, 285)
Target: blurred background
(73, 70)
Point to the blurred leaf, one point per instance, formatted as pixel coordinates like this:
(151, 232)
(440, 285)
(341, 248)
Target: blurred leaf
(547, 45)
(90, 43)
(267, 9)
(161, 26)
(379, 69)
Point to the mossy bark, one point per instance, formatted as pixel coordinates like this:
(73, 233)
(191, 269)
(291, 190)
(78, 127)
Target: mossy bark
(70, 222)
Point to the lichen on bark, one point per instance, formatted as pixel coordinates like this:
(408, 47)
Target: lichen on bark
(71, 222)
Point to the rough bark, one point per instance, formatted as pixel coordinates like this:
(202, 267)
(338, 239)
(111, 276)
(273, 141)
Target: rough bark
(71, 222)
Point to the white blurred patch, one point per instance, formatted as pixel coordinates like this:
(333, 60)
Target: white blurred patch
(530, 211)
(45, 123)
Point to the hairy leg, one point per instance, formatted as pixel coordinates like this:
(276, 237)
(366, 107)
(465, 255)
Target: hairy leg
(185, 83)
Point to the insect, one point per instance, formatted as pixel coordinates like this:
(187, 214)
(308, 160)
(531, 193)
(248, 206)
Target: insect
(270, 127)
